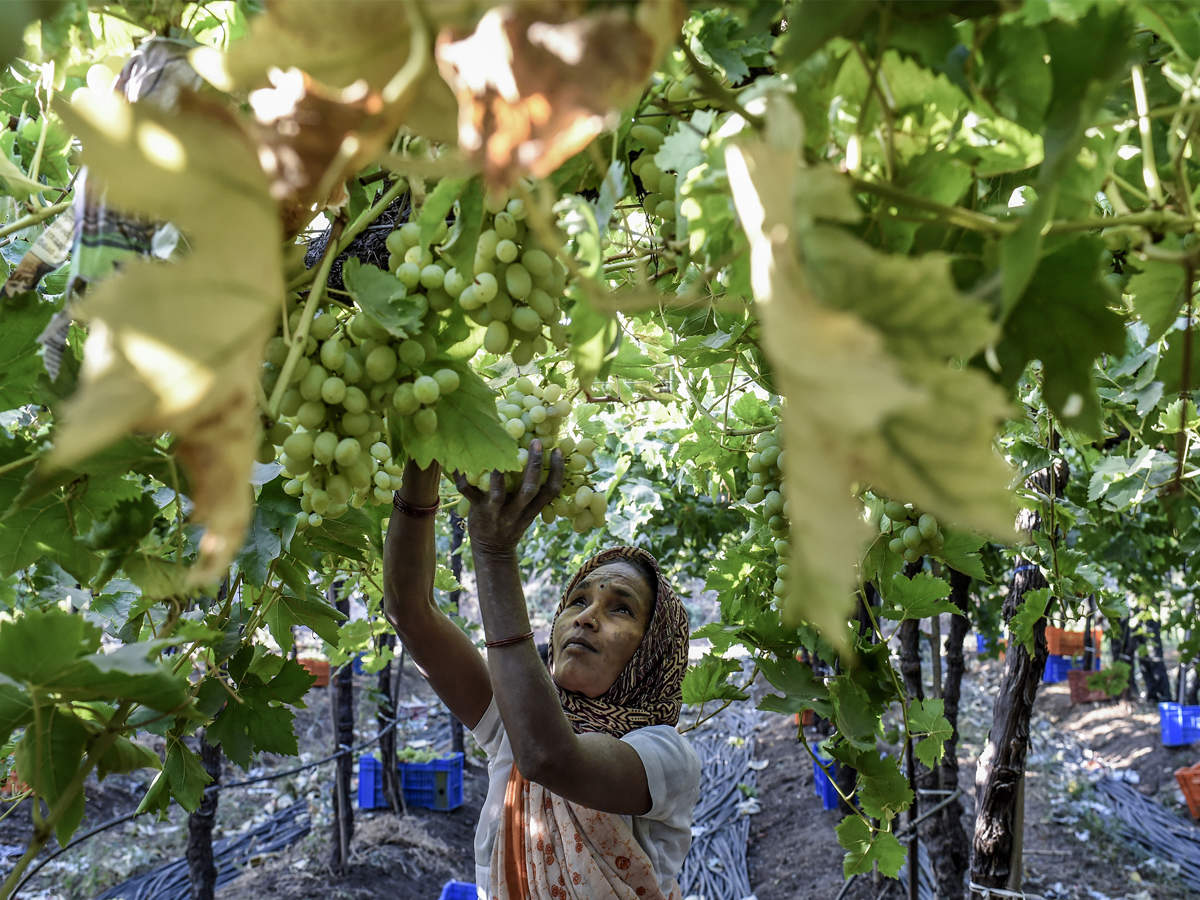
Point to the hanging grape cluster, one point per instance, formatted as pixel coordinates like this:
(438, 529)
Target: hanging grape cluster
(355, 378)
(766, 492)
(513, 291)
(532, 412)
(913, 533)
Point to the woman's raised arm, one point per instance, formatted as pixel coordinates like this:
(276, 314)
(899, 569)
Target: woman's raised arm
(455, 669)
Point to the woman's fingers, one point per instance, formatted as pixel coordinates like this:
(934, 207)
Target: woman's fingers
(497, 494)
(531, 475)
(552, 486)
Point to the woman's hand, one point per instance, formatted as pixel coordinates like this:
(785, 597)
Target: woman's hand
(498, 520)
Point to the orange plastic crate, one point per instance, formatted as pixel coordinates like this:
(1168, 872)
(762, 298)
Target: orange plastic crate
(317, 667)
(806, 718)
(12, 786)
(1061, 642)
(1189, 783)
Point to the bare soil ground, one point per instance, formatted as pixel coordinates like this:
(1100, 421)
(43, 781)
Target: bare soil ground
(1071, 851)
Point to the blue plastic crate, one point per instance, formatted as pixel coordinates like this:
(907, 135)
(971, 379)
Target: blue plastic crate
(1180, 724)
(437, 784)
(357, 664)
(1057, 666)
(458, 890)
(824, 787)
(981, 644)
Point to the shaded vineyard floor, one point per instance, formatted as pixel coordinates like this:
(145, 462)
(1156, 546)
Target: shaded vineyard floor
(1071, 850)
(793, 852)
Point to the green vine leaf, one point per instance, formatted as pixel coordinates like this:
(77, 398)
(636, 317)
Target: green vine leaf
(927, 717)
(866, 848)
(1032, 610)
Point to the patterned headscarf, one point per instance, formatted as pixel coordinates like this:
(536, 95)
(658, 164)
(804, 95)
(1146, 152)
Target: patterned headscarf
(649, 690)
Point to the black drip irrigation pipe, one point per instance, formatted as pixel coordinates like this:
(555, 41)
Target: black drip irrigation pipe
(212, 788)
(715, 867)
(172, 881)
(1147, 824)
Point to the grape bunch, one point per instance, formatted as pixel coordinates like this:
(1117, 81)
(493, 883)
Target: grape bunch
(331, 430)
(532, 412)
(659, 200)
(913, 533)
(767, 489)
(513, 291)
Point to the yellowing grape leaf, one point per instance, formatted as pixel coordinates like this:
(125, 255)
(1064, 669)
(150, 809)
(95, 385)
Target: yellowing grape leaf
(856, 413)
(535, 86)
(176, 346)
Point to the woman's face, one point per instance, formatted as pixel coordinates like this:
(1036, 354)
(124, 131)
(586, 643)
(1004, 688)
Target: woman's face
(600, 628)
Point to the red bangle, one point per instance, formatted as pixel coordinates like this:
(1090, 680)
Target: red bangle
(505, 642)
(411, 509)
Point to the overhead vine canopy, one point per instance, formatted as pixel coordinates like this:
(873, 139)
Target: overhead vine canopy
(802, 290)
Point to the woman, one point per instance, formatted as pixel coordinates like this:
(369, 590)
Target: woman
(591, 788)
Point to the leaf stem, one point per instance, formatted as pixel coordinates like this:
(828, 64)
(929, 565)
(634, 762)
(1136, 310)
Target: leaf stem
(17, 463)
(955, 215)
(716, 90)
(34, 217)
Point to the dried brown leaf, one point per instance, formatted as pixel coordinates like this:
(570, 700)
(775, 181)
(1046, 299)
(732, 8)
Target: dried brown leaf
(535, 86)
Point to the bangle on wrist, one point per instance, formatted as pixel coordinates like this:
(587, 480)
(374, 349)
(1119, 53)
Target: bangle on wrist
(506, 642)
(412, 509)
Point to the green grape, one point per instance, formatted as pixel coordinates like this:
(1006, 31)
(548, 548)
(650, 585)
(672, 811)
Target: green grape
(355, 400)
(380, 364)
(299, 445)
(405, 400)
(928, 526)
(501, 307)
(486, 287)
(895, 511)
(426, 390)
(292, 487)
(543, 304)
(538, 263)
(522, 354)
(380, 451)
(382, 479)
(278, 433)
(486, 245)
(774, 504)
(453, 283)
(551, 393)
(425, 420)
(419, 256)
(347, 452)
(665, 209)
(438, 299)
(338, 488)
(896, 545)
(506, 251)
(396, 244)
(324, 446)
(586, 446)
(354, 424)
(311, 414)
(469, 299)
(265, 453)
(505, 225)
(537, 414)
(647, 135)
(782, 547)
(382, 495)
(310, 386)
(447, 380)
(432, 276)
(359, 474)
(583, 522)
(409, 274)
(295, 466)
(411, 353)
(754, 494)
(315, 520)
(333, 354)
(516, 208)
(515, 428)
(912, 537)
(911, 554)
(333, 390)
(276, 351)
(289, 405)
(518, 281)
(497, 338)
(352, 369)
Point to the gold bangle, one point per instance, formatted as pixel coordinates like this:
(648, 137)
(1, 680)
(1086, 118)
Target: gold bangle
(505, 642)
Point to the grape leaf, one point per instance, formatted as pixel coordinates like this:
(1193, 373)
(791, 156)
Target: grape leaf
(182, 773)
(20, 360)
(126, 756)
(382, 297)
(48, 757)
(1032, 610)
(802, 689)
(883, 790)
(856, 717)
(865, 849)
(709, 680)
(468, 223)
(16, 708)
(927, 717)
(436, 206)
(469, 437)
(918, 597)
(680, 151)
(178, 346)
(1157, 292)
(1064, 320)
